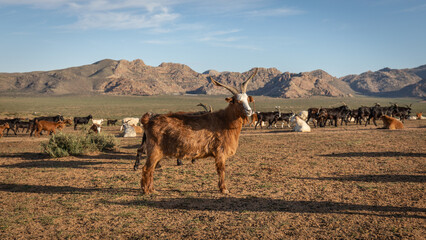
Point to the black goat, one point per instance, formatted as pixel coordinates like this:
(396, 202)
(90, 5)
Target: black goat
(111, 122)
(81, 120)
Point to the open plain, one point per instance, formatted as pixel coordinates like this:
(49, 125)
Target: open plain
(349, 182)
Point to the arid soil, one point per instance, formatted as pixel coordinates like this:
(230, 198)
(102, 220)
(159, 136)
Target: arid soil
(349, 182)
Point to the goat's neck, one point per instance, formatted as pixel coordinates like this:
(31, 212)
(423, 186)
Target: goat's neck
(231, 118)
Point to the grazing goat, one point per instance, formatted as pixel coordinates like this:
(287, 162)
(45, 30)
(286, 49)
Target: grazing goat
(48, 126)
(391, 123)
(183, 135)
(97, 121)
(301, 125)
(111, 122)
(3, 127)
(81, 120)
(96, 128)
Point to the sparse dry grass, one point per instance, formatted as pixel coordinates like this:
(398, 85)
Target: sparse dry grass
(350, 182)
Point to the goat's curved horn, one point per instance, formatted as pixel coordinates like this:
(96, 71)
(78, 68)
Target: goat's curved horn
(231, 89)
(204, 106)
(244, 84)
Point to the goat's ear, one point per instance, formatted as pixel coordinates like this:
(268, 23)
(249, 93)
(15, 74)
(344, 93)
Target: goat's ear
(250, 99)
(228, 99)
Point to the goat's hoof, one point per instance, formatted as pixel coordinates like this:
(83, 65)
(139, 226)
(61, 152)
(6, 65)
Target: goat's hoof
(224, 191)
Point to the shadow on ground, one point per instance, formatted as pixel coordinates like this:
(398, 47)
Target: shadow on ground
(375, 154)
(229, 204)
(376, 178)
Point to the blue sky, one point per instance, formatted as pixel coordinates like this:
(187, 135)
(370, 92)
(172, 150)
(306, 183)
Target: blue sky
(339, 36)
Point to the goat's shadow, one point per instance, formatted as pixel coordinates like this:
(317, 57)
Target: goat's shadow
(375, 154)
(260, 204)
(229, 204)
(25, 155)
(374, 178)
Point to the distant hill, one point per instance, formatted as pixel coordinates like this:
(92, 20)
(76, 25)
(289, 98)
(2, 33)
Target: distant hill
(389, 82)
(124, 77)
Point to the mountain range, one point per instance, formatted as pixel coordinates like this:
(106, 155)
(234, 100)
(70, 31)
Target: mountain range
(122, 77)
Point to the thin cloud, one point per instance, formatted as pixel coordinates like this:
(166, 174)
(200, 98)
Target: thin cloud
(416, 8)
(220, 36)
(159, 42)
(278, 12)
(108, 14)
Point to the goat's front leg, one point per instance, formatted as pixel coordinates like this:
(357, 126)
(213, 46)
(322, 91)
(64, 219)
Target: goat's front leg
(220, 168)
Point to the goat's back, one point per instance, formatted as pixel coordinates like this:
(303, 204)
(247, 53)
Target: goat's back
(190, 136)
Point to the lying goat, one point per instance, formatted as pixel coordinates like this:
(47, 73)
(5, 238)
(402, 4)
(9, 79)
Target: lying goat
(391, 123)
(301, 125)
(183, 135)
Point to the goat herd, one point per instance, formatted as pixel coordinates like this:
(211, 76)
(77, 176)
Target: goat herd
(50, 124)
(317, 116)
(320, 116)
(212, 134)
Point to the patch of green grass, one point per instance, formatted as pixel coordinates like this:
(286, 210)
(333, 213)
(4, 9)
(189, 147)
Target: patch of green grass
(63, 145)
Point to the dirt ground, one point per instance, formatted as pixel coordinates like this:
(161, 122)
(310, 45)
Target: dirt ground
(349, 182)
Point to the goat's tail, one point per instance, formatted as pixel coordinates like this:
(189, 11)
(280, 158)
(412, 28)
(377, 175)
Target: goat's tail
(145, 118)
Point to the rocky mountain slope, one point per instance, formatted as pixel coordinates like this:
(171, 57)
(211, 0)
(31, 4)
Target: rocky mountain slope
(136, 78)
(389, 82)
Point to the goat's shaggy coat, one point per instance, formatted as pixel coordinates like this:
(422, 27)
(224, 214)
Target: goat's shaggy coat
(391, 123)
(183, 135)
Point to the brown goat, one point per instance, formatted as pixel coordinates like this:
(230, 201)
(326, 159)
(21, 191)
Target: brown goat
(182, 135)
(391, 123)
(96, 128)
(48, 126)
(3, 127)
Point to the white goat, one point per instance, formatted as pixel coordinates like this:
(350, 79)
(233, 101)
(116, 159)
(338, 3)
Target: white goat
(303, 115)
(97, 121)
(129, 120)
(129, 131)
(301, 126)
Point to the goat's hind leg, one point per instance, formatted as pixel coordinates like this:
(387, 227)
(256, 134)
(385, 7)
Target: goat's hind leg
(147, 180)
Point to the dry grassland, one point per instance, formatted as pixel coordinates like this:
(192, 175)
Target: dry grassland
(350, 182)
